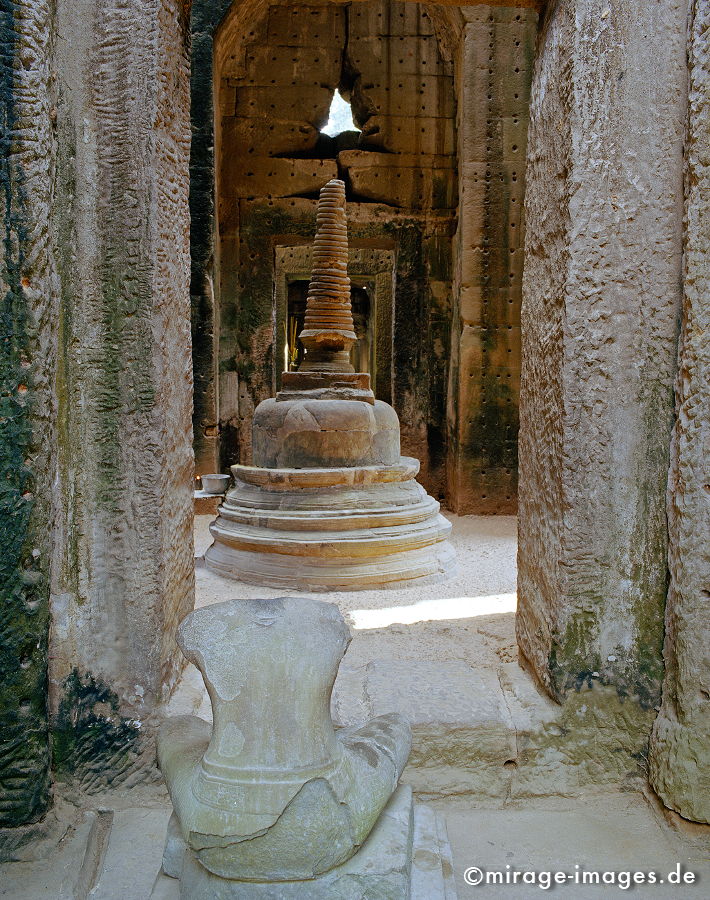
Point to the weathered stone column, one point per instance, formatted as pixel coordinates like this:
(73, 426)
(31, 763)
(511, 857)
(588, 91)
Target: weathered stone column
(29, 302)
(601, 302)
(680, 745)
(124, 560)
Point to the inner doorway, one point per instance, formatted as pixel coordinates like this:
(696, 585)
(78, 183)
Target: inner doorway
(362, 354)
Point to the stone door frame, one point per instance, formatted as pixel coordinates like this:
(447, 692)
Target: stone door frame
(371, 268)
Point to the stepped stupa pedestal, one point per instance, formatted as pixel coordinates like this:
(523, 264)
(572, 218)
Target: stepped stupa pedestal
(329, 504)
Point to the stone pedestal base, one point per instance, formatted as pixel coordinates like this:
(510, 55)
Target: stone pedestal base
(406, 857)
(330, 529)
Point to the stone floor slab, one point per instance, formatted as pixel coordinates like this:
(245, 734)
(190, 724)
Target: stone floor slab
(607, 833)
(134, 854)
(459, 718)
(63, 875)
(432, 863)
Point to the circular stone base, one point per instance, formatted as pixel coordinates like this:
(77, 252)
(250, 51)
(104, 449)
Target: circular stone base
(330, 529)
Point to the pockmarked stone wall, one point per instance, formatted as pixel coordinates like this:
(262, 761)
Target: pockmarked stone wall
(123, 563)
(680, 744)
(601, 304)
(205, 17)
(494, 69)
(29, 303)
(277, 69)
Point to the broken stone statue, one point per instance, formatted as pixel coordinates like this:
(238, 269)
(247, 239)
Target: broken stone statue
(271, 801)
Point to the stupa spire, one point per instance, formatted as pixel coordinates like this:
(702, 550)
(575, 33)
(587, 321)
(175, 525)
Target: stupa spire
(328, 332)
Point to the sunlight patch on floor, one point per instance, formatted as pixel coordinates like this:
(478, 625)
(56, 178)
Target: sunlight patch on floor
(436, 610)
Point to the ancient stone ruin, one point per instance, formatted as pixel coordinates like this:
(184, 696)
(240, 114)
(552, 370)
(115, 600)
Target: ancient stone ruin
(329, 502)
(528, 198)
(270, 801)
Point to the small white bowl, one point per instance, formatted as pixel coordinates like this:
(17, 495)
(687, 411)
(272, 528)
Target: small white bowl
(215, 484)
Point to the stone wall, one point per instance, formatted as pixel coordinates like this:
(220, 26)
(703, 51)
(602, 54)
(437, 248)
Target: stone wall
(206, 15)
(369, 268)
(95, 437)
(276, 80)
(494, 68)
(601, 302)
(680, 754)
(456, 365)
(123, 564)
(29, 304)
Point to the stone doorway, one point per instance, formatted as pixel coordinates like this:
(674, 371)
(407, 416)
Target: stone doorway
(99, 475)
(598, 413)
(435, 176)
(360, 355)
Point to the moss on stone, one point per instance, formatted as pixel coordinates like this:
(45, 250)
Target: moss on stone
(597, 738)
(65, 378)
(24, 554)
(92, 743)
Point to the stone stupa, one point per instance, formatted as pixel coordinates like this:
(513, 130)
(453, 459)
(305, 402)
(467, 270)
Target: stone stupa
(329, 503)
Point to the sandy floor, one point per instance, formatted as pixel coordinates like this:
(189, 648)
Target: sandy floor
(484, 584)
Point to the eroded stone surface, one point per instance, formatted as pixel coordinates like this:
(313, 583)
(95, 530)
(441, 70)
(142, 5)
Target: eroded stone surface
(462, 730)
(381, 870)
(680, 747)
(123, 475)
(328, 432)
(605, 158)
(376, 872)
(29, 309)
(269, 792)
(348, 528)
(96, 461)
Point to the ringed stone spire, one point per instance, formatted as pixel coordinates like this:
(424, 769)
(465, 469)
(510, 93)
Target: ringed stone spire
(328, 332)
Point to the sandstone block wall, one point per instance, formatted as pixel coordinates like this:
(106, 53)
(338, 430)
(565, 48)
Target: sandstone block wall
(601, 303)
(680, 745)
(494, 69)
